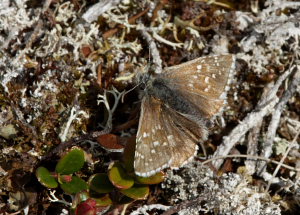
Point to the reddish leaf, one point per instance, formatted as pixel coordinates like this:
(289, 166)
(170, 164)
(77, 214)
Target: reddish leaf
(87, 208)
(110, 142)
(86, 50)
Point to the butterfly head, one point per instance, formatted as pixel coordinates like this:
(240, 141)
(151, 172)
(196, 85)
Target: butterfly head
(145, 78)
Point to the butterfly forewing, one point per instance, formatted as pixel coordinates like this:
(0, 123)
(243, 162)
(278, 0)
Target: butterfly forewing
(203, 81)
(202, 72)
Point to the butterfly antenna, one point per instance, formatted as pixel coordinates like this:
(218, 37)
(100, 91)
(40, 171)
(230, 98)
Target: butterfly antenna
(129, 91)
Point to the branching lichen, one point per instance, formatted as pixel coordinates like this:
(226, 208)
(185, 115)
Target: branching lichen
(74, 115)
(104, 99)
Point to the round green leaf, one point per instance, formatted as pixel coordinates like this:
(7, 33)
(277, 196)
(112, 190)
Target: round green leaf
(119, 178)
(71, 162)
(155, 179)
(75, 186)
(45, 178)
(100, 183)
(136, 192)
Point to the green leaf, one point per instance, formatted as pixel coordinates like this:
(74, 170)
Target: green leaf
(100, 183)
(45, 178)
(119, 178)
(71, 162)
(136, 192)
(75, 186)
(155, 179)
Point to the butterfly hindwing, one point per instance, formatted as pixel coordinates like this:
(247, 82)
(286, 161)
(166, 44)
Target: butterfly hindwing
(183, 136)
(165, 138)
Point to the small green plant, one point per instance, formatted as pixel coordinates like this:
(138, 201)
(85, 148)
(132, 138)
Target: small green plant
(91, 196)
(121, 178)
(64, 170)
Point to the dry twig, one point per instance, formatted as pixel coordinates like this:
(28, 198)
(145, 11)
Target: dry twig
(96, 10)
(252, 157)
(276, 114)
(153, 50)
(291, 145)
(184, 205)
(263, 108)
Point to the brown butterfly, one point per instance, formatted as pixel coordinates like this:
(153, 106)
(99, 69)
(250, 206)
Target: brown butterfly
(177, 106)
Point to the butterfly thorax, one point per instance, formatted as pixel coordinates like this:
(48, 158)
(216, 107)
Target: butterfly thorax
(162, 89)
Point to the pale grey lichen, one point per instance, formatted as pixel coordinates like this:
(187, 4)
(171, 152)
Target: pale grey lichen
(271, 32)
(230, 194)
(75, 115)
(65, 13)
(14, 17)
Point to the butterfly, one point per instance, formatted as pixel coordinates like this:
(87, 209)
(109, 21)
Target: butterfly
(176, 108)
